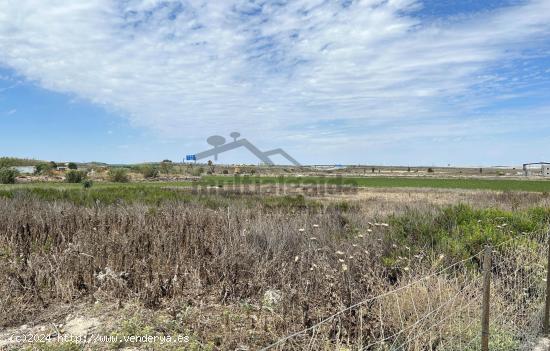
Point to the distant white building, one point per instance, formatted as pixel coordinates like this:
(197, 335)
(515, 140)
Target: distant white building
(536, 167)
(25, 169)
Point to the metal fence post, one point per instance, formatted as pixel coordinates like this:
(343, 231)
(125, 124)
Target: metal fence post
(546, 325)
(486, 296)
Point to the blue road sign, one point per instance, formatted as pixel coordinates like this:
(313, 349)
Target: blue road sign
(190, 157)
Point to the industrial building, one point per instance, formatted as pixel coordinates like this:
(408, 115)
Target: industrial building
(537, 168)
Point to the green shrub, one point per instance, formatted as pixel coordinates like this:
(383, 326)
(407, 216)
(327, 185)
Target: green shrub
(430, 170)
(73, 176)
(7, 176)
(43, 168)
(149, 172)
(118, 175)
(461, 231)
(72, 165)
(166, 166)
(197, 171)
(87, 184)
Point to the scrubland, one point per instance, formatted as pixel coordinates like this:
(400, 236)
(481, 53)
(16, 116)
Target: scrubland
(240, 270)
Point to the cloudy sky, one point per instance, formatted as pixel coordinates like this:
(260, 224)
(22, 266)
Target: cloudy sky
(432, 82)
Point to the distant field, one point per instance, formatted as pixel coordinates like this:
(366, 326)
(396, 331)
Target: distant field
(374, 182)
(156, 192)
(389, 182)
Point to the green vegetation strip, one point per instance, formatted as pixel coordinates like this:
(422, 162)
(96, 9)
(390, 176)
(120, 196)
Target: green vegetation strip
(156, 192)
(152, 193)
(390, 182)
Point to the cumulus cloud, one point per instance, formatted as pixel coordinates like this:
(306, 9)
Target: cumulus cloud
(277, 67)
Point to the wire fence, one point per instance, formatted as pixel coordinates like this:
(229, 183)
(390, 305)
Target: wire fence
(443, 310)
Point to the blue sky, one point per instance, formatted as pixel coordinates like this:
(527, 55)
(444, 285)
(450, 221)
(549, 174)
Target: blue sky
(405, 82)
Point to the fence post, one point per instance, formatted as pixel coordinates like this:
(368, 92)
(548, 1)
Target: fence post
(546, 325)
(486, 295)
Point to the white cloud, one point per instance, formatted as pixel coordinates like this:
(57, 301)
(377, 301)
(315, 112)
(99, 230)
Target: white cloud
(214, 66)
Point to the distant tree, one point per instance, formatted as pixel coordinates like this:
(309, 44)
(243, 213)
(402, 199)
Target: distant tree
(53, 164)
(408, 169)
(480, 170)
(211, 166)
(8, 176)
(87, 184)
(43, 168)
(430, 170)
(372, 169)
(72, 165)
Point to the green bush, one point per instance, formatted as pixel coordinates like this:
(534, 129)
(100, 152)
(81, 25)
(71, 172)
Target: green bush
(197, 172)
(43, 168)
(7, 176)
(87, 184)
(72, 165)
(118, 175)
(461, 231)
(73, 176)
(149, 172)
(166, 166)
